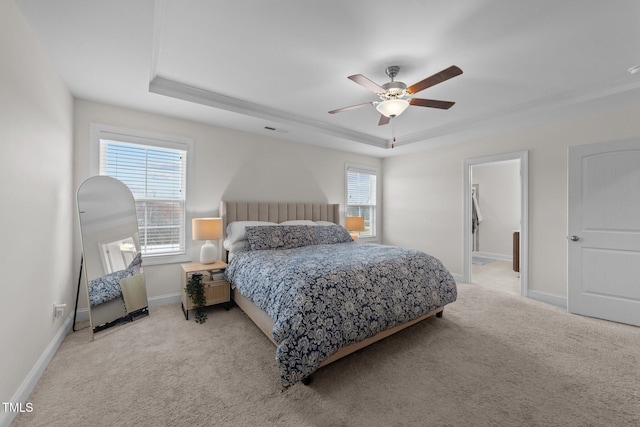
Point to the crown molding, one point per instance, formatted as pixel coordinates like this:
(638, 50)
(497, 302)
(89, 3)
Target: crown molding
(527, 112)
(522, 114)
(163, 86)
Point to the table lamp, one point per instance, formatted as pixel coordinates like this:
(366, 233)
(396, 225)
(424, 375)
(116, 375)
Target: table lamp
(207, 229)
(354, 224)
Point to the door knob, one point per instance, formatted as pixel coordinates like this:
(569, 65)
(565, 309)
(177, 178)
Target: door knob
(574, 238)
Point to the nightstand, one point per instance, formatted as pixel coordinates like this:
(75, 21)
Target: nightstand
(216, 289)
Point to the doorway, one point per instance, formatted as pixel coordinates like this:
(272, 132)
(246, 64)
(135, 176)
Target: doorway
(495, 240)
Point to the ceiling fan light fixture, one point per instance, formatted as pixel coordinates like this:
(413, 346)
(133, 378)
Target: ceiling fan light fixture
(392, 107)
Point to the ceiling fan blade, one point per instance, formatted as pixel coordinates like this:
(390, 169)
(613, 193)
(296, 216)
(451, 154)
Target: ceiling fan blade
(433, 103)
(366, 83)
(353, 107)
(383, 120)
(440, 77)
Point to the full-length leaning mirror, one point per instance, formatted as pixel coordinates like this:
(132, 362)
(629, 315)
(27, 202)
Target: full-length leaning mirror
(111, 253)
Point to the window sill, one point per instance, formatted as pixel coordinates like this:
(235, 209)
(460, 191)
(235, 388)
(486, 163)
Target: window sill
(164, 259)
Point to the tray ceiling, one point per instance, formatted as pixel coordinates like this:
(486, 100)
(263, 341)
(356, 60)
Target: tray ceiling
(253, 65)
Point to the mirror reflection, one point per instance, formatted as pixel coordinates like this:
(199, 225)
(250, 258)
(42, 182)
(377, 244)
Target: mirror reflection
(111, 252)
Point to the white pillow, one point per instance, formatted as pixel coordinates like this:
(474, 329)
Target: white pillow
(240, 246)
(325, 223)
(298, 222)
(236, 232)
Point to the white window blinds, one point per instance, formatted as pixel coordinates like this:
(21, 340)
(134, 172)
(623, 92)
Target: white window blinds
(361, 198)
(157, 178)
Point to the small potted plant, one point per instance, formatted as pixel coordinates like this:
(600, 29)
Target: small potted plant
(195, 291)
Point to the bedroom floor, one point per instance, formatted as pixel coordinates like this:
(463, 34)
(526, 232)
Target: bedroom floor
(497, 274)
(493, 359)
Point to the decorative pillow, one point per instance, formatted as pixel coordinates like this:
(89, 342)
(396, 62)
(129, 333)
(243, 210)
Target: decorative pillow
(236, 232)
(279, 237)
(135, 264)
(329, 234)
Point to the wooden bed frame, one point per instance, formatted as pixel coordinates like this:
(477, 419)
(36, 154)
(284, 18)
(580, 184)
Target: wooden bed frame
(280, 212)
(266, 324)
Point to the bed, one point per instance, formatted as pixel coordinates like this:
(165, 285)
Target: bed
(108, 293)
(315, 293)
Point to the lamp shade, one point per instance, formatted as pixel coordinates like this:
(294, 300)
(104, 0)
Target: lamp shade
(354, 223)
(206, 228)
(392, 107)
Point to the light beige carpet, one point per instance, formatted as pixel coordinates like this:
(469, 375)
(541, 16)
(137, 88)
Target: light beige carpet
(494, 359)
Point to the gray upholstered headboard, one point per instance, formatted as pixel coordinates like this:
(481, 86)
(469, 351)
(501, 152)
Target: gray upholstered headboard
(276, 212)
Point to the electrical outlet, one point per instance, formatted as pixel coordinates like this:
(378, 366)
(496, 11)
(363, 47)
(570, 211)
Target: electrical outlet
(58, 310)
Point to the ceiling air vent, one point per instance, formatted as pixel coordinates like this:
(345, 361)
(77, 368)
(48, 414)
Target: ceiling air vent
(271, 128)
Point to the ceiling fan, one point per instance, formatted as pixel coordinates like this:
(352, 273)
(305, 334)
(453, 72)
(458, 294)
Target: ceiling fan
(395, 97)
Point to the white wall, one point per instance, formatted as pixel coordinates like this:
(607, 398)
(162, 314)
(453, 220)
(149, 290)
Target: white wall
(36, 129)
(499, 200)
(433, 221)
(229, 165)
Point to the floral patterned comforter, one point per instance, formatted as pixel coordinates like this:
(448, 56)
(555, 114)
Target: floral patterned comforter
(324, 297)
(106, 288)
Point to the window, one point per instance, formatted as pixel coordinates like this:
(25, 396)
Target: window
(362, 195)
(155, 172)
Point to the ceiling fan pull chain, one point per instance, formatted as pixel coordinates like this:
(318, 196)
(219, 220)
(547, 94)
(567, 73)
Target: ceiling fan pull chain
(393, 134)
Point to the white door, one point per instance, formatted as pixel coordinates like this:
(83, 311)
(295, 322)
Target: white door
(604, 231)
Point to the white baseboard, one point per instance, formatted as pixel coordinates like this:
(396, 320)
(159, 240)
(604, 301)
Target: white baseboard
(27, 386)
(552, 299)
(493, 256)
(164, 299)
